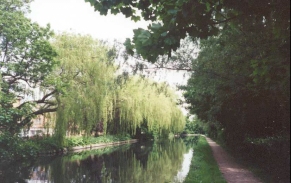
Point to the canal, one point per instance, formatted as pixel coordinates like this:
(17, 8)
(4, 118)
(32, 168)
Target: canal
(148, 162)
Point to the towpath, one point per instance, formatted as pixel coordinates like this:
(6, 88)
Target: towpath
(231, 170)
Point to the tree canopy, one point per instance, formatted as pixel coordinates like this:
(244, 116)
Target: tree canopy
(173, 20)
(26, 59)
(93, 94)
(142, 102)
(86, 78)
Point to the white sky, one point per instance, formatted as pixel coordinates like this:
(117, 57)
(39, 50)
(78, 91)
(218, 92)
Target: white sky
(78, 16)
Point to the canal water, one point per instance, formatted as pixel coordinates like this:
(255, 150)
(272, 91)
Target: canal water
(151, 162)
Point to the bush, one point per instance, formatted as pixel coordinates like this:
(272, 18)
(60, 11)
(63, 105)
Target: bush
(194, 126)
(13, 147)
(48, 143)
(81, 141)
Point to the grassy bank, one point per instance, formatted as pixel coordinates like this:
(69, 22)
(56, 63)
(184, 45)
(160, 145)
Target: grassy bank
(203, 165)
(15, 148)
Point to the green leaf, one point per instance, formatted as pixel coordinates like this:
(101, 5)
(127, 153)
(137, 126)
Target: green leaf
(164, 34)
(208, 6)
(115, 11)
(170, 41)
(144, 36)
(135, 18)
(156, 26)
(172, 11)
(127, 11)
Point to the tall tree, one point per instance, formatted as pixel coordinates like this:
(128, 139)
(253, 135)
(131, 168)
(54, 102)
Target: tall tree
(142, 102)
(25, 61)
(247, 92)
(86, 78)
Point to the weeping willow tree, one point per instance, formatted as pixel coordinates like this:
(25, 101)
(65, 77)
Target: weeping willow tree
(141, 101)
(93, 94)
(86, 75)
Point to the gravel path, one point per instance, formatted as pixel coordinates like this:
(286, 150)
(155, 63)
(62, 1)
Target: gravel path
(232, 172)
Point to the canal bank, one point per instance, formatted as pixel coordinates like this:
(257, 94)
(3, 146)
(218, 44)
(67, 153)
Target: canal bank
(66, 150)
(14, 148)
(203, 166)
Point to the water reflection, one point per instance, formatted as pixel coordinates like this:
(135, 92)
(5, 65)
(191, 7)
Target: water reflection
(39, 173)
(137, 163)
(185, 167)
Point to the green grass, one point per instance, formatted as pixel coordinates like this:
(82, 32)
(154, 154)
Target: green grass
(204, 168)
(81, 141)
(96, 152)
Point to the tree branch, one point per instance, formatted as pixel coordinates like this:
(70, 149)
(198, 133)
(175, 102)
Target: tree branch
(170, 68)
(26, 120)
(43, 100)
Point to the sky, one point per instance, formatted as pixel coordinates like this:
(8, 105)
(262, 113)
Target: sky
(183, 172)
(78, 16)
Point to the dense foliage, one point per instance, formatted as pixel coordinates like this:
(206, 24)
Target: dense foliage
(86, 79)
(247, 91)
(144, 103)
(195, 126)
(26, 58)
(94, 97)
(175, 19)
